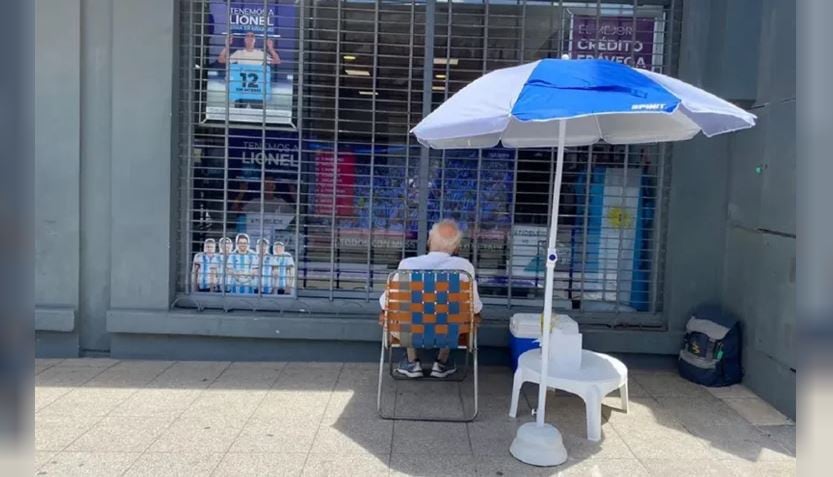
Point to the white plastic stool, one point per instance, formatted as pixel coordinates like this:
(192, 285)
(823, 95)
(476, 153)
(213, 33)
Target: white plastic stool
(599, 375)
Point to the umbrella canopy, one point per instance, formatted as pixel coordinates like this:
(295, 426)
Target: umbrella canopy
(601, 101)
(558, 103)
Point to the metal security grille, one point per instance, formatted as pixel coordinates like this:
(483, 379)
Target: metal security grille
(295, 129)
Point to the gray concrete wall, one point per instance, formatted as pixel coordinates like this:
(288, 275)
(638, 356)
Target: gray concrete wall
(105, 167)
(57, 169)
(760, 248)
(731, 237)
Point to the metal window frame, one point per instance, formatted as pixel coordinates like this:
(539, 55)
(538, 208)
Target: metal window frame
(314, 90)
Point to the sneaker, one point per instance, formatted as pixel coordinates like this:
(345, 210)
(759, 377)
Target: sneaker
(410, 369)
(441, 370)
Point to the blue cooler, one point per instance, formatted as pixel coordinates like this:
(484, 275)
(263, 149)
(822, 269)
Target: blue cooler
(524, 329)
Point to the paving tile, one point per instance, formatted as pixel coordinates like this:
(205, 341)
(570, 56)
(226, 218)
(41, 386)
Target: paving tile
(645, 411)
(700, 411)
(207, 434)
(660, 441)
(490, 438)
(745, 468)
(506, 466)
(430, 438)
(249, 378)
(63, 376)
(45, 396)
(225, 402)
(666, 384)
(603, 468)
(309, 380)
(54, 433)
(276, 435)
(47, 361)
(121, 434)
(439, 466)
(258, 366)
(88, 362)
(447, 404)
(758, 412)
(362, 377)
(189, 375)
(784, 435)
(178, 464)
(129, 374)
(345, 465)
(733, 391)
(496, 407)
(157, 403)
(310, 366)
(293, 404)
(88, 464)
(496, 382)
(348, 405)
(88, 402)
(699, 467)
(354, 436)
(612, 446)
(257, 465)
(39, 368)
(739, 441)
(42, 457)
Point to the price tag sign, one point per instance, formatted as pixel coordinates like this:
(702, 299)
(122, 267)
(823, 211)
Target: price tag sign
(249, 82)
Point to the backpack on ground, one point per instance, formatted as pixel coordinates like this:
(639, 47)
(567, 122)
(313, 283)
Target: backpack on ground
(711, 352)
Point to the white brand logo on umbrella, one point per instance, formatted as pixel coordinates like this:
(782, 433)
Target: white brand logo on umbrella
(648, 106)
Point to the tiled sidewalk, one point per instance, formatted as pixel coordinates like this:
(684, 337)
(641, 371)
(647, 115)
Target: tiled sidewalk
(154, 418)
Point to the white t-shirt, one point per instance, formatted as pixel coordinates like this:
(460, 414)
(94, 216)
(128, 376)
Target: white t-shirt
(246, 57)
(439, 261)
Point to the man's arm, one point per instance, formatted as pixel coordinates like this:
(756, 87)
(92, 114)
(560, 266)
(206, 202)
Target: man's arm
(478, 305)
(274, 58)
(383, 297)
(223, 58)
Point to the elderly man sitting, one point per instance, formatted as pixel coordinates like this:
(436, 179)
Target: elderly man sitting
(443, 242)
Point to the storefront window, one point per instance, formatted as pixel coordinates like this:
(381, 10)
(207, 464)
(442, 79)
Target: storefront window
(301, 180)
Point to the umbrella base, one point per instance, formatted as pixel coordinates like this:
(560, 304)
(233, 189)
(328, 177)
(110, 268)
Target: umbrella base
(540, 446)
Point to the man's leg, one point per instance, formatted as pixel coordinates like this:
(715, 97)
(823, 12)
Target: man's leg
(412, 354)
(443, 366)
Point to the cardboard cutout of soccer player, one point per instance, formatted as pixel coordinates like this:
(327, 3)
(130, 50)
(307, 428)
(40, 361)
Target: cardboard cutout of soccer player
(243, 265)
(207, 268)
(282, 270)
(262, 265)
(226, 250)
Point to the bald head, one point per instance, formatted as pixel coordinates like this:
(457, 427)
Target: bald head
(445, 236)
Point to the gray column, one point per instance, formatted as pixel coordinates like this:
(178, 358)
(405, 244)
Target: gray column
(57, 164)
(96, 120)
(142, 165)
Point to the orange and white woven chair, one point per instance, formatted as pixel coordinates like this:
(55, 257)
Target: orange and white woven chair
(429, 309)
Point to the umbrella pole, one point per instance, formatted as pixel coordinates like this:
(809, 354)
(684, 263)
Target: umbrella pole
(552, 258)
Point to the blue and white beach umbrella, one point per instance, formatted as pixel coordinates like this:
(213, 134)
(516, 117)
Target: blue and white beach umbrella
(558, 103)
(600, 101)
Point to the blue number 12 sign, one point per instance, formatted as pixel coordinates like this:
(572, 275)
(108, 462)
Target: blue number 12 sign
(251, 82)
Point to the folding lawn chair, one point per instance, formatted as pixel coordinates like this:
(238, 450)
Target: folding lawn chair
(429, 309)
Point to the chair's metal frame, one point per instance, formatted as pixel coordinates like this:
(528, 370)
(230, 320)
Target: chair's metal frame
(470, 348)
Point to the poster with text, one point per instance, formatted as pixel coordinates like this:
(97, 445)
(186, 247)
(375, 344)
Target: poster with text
(335, 184)
(251, 61)
(621, 39)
